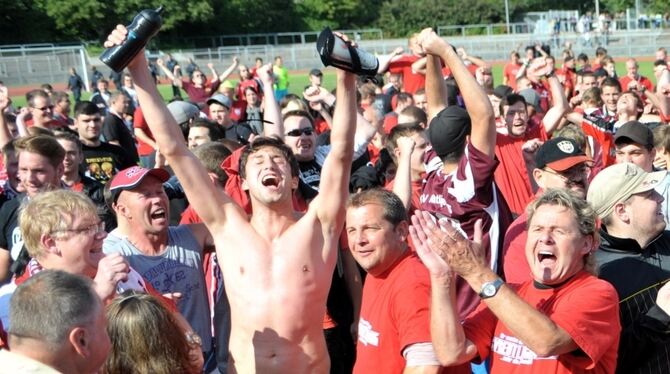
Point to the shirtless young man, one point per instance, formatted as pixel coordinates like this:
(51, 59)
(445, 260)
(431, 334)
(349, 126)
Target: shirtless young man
(277, 265)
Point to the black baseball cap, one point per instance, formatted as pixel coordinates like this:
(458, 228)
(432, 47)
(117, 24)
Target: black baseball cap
(637, 132)
(559, 154)
(447, 131)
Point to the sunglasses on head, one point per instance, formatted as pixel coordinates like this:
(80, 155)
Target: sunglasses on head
(297, 132)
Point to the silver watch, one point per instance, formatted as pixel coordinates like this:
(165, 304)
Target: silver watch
(490, 289)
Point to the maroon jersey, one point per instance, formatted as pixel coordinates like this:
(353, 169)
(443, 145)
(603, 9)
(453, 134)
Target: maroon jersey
(464, 196)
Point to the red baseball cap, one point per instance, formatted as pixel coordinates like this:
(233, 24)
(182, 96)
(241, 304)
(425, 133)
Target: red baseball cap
(129, 178)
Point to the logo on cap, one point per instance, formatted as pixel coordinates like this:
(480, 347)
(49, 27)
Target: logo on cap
(565, 146)
(133, 171)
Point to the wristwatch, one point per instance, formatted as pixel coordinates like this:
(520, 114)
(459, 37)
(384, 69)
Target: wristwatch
(490, 289)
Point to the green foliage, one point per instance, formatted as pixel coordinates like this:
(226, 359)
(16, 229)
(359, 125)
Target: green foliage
(338, 14)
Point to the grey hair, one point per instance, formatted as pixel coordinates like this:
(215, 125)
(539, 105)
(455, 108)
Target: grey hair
(584, 214)
(50, 304)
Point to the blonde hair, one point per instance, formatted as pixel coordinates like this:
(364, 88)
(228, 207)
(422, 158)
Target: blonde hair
(51, 211)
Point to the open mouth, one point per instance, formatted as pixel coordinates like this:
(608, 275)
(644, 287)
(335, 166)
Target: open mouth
(546, 257)
(270, 181)
(159, 214)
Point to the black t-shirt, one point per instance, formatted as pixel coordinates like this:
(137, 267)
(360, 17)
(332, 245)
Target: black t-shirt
(103, 161)
(10, 233)
(114, 129)
(310, 177)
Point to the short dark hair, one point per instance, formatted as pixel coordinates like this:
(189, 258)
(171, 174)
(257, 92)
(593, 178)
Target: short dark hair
(403, 129)
(660, 63)
(215, 131)
(610, 82)
(264, 142)
(212, 154)
(394, 209)
(59, 96)
(510, 100)
(86, 108)
(417, 113)
(70, 137)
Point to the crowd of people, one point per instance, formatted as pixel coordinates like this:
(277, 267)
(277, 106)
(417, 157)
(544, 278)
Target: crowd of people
(462, 226)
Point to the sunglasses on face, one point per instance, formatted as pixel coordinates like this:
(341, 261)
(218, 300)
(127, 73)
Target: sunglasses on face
(297, 132)
(45, 108)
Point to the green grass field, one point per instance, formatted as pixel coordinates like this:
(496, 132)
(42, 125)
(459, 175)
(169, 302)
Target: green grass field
(298, 81)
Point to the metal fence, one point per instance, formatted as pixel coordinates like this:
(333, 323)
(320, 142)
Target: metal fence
(41, 63)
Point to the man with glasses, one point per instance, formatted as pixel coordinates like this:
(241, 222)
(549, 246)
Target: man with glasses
(62, 231)
(40, 109)
(559, 163)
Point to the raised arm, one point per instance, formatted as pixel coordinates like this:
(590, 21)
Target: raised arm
(166, 71)
(334, 186)
(402, 183)
(560, 104)
(483, 134)
(436, 89)
(226, 73)
(5, 101)
(213, 206)
(212, 69)
(271, 112)
(385, 60)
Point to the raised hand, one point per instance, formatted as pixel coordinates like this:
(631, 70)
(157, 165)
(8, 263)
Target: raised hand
(112, 269)
(405, 145)
(426, 238)
(431, 43)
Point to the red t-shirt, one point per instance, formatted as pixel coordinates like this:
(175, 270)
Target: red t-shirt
(248, 83)
(544, 91)
(143, 149)
(199, 95)
(586, 307)
(515, 264)
(511, 176)
(395, 313)
(510, 71)
(641, 80)
(417, 186)
(411, 81)
(466, 195)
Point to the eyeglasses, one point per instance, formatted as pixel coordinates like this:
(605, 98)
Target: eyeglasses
(297, 132)
(92, 230)
(45, 108)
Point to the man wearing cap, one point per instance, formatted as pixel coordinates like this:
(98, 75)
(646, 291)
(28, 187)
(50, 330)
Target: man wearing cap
(219, 112)
(459, 182)
(634, 256)
(524, 135)
(559, 163)
(169, 258)
(634, 142)
(184, 113)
